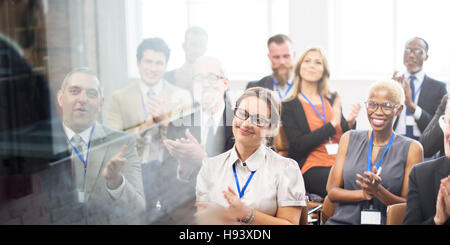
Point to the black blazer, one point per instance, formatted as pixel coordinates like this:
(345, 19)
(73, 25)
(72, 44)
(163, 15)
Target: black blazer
(432, 139)
(423, 187)
(429, 99)
(302, 140)
(265, 82)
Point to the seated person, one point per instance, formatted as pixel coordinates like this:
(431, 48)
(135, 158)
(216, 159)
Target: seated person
(105, 165)
(372, 166)
(313, 121)
(251, 183)
(428, 200)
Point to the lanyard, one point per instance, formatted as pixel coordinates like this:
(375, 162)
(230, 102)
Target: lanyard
(324, 116)
(416, 92)
(241, 192)
(278, 91)
(369, 155)
(85, 161)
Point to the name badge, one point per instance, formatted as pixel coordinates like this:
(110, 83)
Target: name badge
(410, 121)
(80, 196)
(332, 149)
(370, 217)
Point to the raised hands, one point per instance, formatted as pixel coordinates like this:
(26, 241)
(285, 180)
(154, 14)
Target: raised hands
(354, 111)
(337, 111)
(369, 184)
(407, 89)
(113, 169)
(443, 202)
(186, 148)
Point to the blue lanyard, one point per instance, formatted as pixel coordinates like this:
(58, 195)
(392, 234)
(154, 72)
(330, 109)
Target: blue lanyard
(85, 161)
(241, 192)
(369, 155)
(416, 92)
(324, 116)
(278, 91)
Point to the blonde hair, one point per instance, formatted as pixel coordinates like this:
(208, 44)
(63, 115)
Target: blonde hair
(322, 85)
(393, 87)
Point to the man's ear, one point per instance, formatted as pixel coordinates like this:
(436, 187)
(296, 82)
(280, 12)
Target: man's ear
(59, 96)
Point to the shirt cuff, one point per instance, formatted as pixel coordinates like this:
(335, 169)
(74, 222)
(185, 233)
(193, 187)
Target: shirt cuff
(417, 113)
(116, 193)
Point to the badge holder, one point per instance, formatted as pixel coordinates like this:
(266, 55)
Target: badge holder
(370, 216)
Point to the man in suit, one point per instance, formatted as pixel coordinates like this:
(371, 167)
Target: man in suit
(422, 93)
(428, 199)
(204, 133)
(432, 136)
(105, 166)
(146, 107)
(282, 57)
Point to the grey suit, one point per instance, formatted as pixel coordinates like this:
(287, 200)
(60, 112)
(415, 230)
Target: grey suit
(101, 206)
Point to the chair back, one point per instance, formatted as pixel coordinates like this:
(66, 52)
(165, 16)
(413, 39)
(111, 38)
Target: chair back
(281, 143)
(328, 209)
(395, 214)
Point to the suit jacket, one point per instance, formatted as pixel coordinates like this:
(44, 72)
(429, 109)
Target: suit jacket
(429, 99)
(102, 208)
(265, 82)
(432, 139)
(126, 111)
(423, 187)
(302, 140)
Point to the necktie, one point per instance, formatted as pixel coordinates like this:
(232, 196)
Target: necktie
(150, 93)
(77, 165)
(409, 128)
(210, 137)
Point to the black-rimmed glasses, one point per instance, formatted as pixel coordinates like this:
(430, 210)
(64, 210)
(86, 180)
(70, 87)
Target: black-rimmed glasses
(254, 119)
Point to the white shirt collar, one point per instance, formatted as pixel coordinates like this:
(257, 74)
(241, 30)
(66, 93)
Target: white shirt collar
(217, 116)
(157, 88)
(84, 135)
(419, 76)
(253, 162)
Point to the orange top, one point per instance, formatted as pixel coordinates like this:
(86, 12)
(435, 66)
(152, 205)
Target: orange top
(319, 156)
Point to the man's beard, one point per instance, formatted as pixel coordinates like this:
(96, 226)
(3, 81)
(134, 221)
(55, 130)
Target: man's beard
(282, 74)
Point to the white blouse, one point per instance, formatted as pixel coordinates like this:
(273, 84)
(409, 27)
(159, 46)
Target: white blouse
(277, 181)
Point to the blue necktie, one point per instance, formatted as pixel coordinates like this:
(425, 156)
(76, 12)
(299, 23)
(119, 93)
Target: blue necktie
(409, 128)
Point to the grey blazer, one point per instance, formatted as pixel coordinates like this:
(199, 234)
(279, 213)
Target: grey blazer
(101, 207)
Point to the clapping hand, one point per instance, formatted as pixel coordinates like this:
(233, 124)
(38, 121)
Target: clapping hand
(443, 202)
(113, 169)
(369, 184)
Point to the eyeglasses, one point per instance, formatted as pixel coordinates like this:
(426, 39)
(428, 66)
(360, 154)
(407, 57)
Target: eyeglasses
(210, 78)
(254, 119)
(417, 52)
(387, 107)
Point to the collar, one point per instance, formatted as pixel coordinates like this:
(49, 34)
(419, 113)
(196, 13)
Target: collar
(253, 162)
(157, 88)
(419, 76)
(84, 135)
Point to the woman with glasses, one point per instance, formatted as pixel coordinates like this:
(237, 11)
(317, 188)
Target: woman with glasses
(313, 121)
(372, 166)
(250, 183)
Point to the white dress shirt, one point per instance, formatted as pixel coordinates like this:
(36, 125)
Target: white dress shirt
(217, 118)
(401, 125)
(276, 183)
(85, 135)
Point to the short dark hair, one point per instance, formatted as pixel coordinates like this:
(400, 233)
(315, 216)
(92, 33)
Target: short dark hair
(278, 39)
(156, 44)
(423, 40)
(196, 30)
